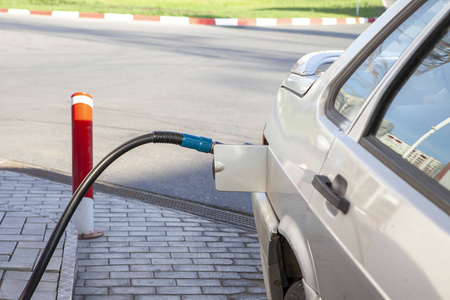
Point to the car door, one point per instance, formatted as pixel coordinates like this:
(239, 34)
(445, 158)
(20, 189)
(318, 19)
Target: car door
(378, 225)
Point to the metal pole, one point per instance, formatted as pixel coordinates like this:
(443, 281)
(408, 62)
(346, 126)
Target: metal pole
(423, 137)
(82, 163)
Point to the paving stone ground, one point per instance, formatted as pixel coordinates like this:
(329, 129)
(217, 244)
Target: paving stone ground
(147, 252)
(22, 235)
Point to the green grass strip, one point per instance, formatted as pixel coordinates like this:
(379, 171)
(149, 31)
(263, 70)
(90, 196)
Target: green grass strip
(211, 8)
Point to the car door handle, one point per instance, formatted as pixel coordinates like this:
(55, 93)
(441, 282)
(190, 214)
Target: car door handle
(324, 187)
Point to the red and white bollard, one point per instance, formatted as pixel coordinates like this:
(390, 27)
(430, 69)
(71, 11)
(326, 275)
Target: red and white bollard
(82, 163)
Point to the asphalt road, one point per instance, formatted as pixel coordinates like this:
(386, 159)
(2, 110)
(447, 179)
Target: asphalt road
(219, 82)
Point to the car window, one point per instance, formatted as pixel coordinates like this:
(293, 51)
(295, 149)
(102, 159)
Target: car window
(363, 81)
(416, 124)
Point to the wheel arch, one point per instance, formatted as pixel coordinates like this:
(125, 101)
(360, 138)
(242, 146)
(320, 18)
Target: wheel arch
(294, 246)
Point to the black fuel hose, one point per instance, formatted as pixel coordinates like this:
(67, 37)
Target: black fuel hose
(201, 144)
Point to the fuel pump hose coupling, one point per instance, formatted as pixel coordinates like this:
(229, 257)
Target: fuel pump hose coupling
(198, 143)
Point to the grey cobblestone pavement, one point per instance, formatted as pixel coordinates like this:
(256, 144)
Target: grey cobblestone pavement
(147, 252)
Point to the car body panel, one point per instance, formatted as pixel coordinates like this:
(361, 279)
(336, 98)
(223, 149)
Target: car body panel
(393, 233)
(392, 242)
(391, 238)
(345, 248)
(267, 227)
(294, 210)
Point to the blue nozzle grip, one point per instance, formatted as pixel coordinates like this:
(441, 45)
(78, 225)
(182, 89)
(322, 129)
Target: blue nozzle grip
(198, 143)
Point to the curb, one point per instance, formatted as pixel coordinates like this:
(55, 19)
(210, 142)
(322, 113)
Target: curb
(179, 204)
(193, 21)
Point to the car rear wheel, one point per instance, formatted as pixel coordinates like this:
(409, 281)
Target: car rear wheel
(295, 292)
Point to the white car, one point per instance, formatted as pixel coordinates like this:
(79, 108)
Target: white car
(352, 199)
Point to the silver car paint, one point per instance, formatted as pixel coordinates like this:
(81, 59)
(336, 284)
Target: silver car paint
(267, 227)
(397, 236)
(299, 128)
(392, 244)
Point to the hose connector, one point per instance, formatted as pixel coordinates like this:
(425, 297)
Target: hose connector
(198, 143)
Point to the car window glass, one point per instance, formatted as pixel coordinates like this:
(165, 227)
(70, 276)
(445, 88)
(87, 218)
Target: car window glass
(417, 122)
(363, 81)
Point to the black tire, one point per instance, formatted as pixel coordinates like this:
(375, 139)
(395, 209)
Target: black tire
(295, 292)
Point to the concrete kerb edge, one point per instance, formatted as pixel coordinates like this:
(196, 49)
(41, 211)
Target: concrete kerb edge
(264, 22)
(67, 277)
(167, 202)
